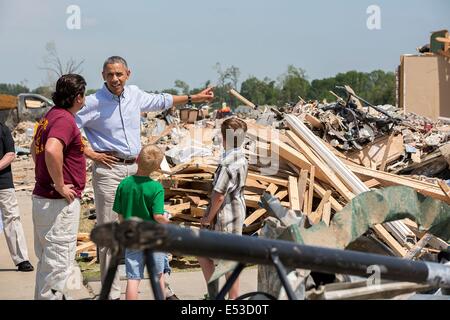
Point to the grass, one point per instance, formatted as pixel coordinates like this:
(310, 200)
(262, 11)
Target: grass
(90, 272)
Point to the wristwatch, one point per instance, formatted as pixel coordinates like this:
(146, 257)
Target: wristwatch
(189, 100)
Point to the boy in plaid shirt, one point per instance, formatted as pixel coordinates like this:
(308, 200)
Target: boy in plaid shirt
(226, 212)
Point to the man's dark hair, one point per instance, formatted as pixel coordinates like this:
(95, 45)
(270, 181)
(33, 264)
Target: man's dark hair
(68, 87)
(115, 59)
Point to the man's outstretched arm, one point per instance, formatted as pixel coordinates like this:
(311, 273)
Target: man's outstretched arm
(203, 96)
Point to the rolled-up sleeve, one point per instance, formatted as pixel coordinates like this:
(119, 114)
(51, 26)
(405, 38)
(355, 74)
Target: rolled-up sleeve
(155, 102)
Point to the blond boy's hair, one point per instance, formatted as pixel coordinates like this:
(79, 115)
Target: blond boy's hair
(150, 158)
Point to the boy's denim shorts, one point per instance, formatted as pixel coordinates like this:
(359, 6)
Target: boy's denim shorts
(135, 262)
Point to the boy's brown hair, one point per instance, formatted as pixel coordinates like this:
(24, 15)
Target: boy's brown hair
(150, 158)
(233, 132)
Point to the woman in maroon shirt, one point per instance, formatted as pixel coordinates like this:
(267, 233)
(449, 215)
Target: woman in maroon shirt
(60, 170)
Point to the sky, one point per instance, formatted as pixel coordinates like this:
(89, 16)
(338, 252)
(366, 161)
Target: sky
(165, 40)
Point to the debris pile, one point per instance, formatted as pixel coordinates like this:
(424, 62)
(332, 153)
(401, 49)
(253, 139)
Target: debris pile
(314, 159)
(380, 137)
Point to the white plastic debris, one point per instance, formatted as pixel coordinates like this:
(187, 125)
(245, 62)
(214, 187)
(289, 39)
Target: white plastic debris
(182, 154)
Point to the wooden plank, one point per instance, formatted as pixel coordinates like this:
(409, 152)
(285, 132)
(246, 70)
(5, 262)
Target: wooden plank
(313, 121)
(372, 183)
(197, 200)
(252, 201)
(281, 194)
(302, 184)
(83, 236)
(322, 169)
(242, 99)
(445, 188)
(293, 193)
(414, 251)
(197, 212)
(305, 202)
(326, 215)
(290, 154)
(358, 103)
(388, 179)
(373, 153)
(254, 216)
(178, 208)
(272, 188)
(189, 191)
(269, 179)
(194, 176)
(386, 153)
(24, 188)
(311, 190)
(434, 242)
(321, 192)
(254, 184)
(85, 247)
(389, 240)
(443, 39)
(250, 175)
(316, 216)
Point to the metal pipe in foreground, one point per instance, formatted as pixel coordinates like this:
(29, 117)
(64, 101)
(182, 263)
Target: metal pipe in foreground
(171, 238)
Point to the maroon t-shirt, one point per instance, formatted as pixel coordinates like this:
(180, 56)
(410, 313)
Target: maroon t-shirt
(59, 123)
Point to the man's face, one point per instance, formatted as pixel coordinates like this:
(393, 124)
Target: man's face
(115, 75)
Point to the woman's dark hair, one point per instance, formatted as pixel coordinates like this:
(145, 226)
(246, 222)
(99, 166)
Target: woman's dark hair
(68, 87)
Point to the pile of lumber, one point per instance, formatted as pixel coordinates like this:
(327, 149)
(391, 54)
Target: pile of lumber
(311, 178)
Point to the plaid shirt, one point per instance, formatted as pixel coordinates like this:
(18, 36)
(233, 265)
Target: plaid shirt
(229, 179)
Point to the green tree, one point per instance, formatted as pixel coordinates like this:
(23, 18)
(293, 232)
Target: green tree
(183, 86)
(293, 84)
(260, 91)
(13, 89)
(383, 88)
(171, 91)
(320, 89)
(45, 91)
(376, 87)
(227, 78)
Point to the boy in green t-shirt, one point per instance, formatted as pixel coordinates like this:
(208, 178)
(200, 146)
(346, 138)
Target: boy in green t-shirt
(140, 196)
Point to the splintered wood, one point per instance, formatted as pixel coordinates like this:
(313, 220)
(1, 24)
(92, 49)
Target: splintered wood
(288, 166)
(85, 247)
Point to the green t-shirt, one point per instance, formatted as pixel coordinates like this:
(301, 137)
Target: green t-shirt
(140, 197)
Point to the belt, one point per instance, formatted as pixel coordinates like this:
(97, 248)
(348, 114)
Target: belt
(119, 160)
(125, 161)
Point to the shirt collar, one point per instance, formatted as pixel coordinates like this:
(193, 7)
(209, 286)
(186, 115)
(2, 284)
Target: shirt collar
(112, 96)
